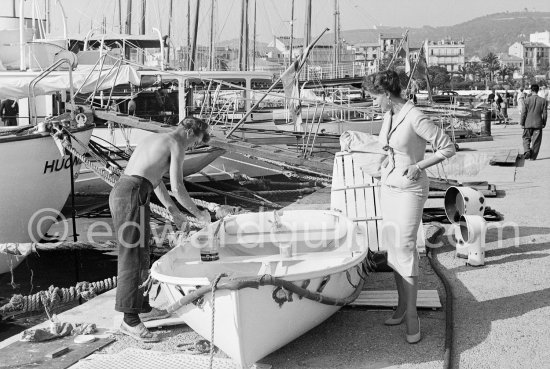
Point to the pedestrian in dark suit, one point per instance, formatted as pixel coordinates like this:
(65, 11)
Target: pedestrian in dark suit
(533, 120)
(9, 111)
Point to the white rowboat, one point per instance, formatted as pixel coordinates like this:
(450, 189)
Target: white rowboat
(286, 274)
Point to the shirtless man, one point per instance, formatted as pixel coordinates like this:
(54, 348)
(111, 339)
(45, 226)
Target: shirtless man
(129, 204)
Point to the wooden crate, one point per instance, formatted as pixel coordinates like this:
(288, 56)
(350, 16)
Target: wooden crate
(357, 195)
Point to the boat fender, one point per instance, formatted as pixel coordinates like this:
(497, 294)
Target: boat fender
(323, 284)
(280, 295)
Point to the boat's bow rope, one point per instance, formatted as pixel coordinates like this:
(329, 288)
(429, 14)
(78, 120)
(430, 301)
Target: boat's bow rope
(269, 280)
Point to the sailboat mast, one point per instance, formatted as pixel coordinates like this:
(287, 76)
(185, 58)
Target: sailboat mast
(211, 64)
(246, 46)
(188, 53)
(307, 26)
(336, 37)
(129, 17)
(48, 21)
(254, 40)
(291, 32)
(119, 16)
(194, 44)
(142, 24)
(169, 31)
(241, 38)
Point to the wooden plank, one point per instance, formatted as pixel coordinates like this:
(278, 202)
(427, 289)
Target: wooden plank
(362, 203)
(507, 157)
(34, 354)
(427, 299)
(378, 212)
(442, 185)
(370, 204)
(491, 192)
(351, 199)
(322, 165)
(132, 121)
(474, 139)
(57, 352)
(356, 186)
(421, 239)
(338, 198)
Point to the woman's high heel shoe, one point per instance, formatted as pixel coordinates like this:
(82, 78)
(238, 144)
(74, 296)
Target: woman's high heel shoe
(396, 321)
(415, 338)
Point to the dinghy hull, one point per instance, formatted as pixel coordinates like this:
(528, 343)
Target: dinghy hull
(252, 322)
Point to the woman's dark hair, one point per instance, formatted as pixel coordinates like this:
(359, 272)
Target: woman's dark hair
(382, 82)
(197, 126)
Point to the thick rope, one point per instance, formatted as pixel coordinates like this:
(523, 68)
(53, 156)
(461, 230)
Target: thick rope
(214, 286)
(267, 280)
(56, 296)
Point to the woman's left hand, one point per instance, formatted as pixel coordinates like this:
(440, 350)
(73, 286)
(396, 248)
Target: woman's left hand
(412, 172)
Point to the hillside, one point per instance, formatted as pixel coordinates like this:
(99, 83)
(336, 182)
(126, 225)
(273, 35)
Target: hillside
(495, 32)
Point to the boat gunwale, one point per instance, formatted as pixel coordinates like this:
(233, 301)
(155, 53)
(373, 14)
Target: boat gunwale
(38, 135)
(356, 256)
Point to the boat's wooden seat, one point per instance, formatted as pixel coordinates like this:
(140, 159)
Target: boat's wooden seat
(357, 195)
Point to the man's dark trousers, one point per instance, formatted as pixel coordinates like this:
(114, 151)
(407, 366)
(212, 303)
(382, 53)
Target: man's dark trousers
(532, 138)
(129, 204)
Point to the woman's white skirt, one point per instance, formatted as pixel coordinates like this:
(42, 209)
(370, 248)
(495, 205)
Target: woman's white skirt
(402, 215)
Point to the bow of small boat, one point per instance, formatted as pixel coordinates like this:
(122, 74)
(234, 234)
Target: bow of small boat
(292, 245)
(284, 273)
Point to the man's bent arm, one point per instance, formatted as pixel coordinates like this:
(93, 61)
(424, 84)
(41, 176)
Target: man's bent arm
(176, 180)
(164, 197)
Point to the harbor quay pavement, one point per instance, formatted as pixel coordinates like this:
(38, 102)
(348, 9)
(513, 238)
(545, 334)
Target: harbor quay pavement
(501, 310)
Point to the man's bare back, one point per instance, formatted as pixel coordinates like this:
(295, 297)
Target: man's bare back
(164, 153)
(151, 159)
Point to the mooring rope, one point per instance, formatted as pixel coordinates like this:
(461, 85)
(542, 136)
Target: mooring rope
(55, 296)
(269, 280)
(214, 286)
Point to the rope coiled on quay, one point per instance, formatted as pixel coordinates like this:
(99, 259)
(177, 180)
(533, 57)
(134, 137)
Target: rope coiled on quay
(55, 296)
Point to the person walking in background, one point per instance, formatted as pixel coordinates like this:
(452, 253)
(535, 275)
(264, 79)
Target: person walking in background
(520, 101)
(132, 107)
(542, 92)
(405, 187)
(9, 111)
(533, 120)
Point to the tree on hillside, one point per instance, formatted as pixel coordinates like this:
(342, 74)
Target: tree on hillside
(492, 64)
(464, 71)
(476, 70)
(439, 77)
(506, 72)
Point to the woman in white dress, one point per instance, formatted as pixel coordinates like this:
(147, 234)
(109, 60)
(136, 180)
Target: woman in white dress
(405, 185)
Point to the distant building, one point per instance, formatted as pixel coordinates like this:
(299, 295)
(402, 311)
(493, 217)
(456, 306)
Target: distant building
(511, 61)
(447, 53)
(321, 57)
(367, 54)
(322, 54)
(388, 44)
(535, 53)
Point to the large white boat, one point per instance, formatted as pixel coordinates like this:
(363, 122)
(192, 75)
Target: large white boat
(36, 180)
(281, 275)
(35, 185)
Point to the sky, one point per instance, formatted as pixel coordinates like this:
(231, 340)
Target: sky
(273, 16)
